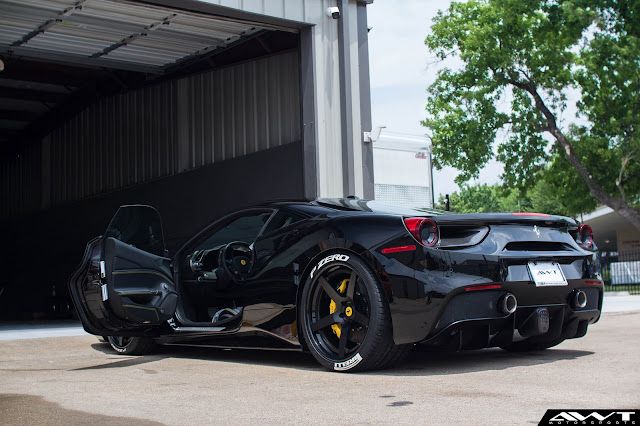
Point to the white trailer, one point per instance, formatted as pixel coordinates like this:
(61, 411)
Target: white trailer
(403, 170)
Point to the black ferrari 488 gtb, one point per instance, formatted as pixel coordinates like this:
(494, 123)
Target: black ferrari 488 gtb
(356, 283)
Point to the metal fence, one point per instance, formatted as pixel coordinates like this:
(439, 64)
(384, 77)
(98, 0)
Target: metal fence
(621, 271)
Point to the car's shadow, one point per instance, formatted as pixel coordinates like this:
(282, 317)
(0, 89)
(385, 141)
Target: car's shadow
(494, 359)
(416, 364)
(272, 358)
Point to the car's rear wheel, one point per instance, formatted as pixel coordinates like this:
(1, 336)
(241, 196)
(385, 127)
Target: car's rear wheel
(345, 317)
(531, 345)
(131, 345)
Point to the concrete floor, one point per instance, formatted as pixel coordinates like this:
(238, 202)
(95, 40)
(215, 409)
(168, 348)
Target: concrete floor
(13, 330)
(77, 380)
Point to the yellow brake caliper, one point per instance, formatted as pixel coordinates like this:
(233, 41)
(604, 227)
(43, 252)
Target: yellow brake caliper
(337, 328)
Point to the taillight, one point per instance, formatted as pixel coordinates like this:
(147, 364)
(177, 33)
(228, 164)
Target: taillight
(483, 287)
(585, 236)
(425, 231)
(398, 249)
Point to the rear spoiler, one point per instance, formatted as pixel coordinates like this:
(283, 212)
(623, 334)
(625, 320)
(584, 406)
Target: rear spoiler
(505, 219)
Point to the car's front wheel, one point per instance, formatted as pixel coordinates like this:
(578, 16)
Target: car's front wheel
(345, 316)
(131, 345)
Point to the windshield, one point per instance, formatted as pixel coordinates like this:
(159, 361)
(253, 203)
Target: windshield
(377, 207)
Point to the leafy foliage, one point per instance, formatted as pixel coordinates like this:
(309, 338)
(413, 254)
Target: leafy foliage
(473, 199)
(520, 59)
(484, 198)
(608, 75)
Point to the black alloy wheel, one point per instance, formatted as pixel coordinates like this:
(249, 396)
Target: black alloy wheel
(131, 345)
(119, 343)
(345, 317)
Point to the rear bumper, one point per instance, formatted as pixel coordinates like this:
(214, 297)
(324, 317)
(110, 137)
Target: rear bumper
(479, 316)
(563, 323)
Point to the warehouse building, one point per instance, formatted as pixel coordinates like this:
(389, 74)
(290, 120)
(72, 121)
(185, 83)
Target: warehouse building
(195, 107)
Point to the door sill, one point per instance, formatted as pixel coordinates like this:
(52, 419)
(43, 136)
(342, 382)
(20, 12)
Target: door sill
(203, 329)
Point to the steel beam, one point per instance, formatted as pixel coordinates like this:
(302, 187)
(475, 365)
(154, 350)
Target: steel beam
(16, 115)
(32, 95)
(346, 100)
(368, 178)
(49, 23)
(308, 109)
(76, 60)
(133, 37)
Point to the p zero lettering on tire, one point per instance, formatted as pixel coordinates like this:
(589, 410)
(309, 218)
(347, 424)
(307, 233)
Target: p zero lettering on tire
(345, 316)
(131, 345)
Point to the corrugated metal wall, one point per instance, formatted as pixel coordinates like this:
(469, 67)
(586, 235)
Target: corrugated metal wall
(176, 126)
(329, 117)
(20, 182)
(296, 10)
(240, 110)
(116, 142)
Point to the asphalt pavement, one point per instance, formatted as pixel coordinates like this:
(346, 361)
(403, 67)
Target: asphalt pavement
(78, 380)
(13, 330)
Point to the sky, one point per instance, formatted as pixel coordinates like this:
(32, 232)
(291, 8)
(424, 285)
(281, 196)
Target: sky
(401, 69)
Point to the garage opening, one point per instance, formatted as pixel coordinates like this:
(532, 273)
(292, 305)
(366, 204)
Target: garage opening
(108, 102)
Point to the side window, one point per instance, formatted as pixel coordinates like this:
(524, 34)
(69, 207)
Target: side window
(139, 226)
(243, 228)
(281, 219)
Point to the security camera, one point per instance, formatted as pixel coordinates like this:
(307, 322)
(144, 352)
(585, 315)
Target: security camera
(333, 12)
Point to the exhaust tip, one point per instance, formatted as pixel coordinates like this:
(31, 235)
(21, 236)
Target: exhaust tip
(508, 304)
(579, 299)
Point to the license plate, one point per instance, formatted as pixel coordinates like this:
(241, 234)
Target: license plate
(547, 274)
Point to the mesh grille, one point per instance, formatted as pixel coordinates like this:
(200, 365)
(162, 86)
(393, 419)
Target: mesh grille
(404, 195)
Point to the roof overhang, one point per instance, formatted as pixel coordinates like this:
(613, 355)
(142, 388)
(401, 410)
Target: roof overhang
(605, 222)
(60, 55)
(115, 34)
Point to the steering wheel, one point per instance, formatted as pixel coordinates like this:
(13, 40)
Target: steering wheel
(236, 265)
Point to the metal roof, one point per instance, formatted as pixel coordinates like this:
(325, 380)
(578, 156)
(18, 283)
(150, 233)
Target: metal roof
(59, 52)
(113, 33)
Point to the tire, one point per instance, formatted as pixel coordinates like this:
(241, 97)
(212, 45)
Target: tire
(131, 345)
(527, 345)
(345, 317)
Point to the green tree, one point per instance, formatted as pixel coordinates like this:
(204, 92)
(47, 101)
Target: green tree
(544, 198)
(485, 198)
(514, 200)
(520, 58)
(473, 199)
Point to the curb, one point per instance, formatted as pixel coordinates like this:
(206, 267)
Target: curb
(616, 293)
